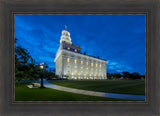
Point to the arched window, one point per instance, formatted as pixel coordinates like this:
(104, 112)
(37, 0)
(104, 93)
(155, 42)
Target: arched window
(92, 75)
(87, 63)
(81, 62)
(68, 73)
(75, 61)
(75, 72)
(87, 73)
(68, 60)
(81, 73)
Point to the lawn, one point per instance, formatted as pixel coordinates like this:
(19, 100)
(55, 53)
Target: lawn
(23, 93)
(136, 87)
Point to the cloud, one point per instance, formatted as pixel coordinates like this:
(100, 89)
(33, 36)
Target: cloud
(119, 39)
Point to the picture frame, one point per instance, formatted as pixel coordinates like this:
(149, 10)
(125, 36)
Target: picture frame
(7, 104)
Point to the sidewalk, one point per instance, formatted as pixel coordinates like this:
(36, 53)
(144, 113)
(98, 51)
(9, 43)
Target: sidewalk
(93, 93)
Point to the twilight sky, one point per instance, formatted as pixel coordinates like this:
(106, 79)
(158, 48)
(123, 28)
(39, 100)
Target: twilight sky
(119, 39)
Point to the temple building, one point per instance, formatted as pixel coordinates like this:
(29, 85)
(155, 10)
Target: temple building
(71, 63)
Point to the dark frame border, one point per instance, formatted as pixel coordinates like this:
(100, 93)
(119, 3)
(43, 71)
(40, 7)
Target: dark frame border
(150, 107)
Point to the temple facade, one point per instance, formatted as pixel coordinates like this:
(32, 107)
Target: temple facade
(72, 64)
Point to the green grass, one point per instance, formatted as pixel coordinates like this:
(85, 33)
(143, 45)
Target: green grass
(23, 93)
(136, 87)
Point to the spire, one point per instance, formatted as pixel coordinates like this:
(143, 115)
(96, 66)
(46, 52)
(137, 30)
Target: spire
(65, 36)
(65, 27)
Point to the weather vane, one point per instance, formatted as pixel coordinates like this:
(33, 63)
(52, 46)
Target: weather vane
(65, 27)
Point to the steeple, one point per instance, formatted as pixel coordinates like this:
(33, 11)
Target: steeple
(65, 36)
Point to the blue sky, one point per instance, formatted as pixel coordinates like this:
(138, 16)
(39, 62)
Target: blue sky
(119, 39)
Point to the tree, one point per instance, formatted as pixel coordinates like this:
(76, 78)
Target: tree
(126, 74)
(24, 64)
(26, 68)
(108, 75)
(117, 75)
(23, 55)
(135, 75)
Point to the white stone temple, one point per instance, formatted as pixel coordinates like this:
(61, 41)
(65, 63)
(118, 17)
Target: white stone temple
(71, 63)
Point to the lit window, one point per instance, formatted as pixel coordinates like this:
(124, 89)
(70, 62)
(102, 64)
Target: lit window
(68, 48)
(87, 73)
(100, 65)
(68, 72)
(81, 72)
(91, 68)
(68, 60)
(75, 50)
(87, 68)
(96, 69)
(96, 65)
(91, 64)
(87, 63)
(75, 72)
(75, 67)
(81, 67)
(75, 61)
(81, 62)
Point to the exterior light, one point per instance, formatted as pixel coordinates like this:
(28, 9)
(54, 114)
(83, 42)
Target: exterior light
(42, 65)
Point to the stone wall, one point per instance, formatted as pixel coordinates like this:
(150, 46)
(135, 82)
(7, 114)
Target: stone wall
(76, 67)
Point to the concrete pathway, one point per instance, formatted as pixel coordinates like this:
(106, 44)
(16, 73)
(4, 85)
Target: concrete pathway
(93, 93)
